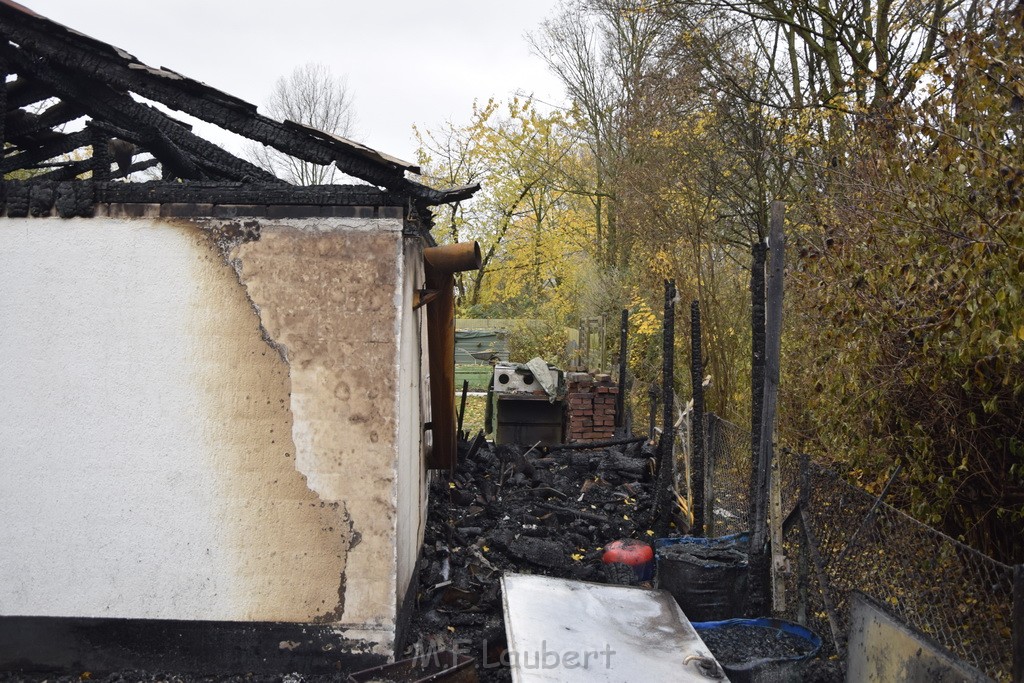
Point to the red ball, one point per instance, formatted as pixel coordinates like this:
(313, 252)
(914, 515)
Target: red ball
(628, 551)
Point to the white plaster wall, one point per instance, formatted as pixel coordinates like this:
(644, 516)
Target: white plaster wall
(148, 463)
(102, 515)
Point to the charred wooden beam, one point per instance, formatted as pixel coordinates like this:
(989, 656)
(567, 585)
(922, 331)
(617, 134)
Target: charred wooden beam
(100, 163)
(77, 168)
(89, 60)
(624, 441)
(3, 102)
(665, 488)
(65, 144)
(102, 103)
(335, 200)
(20, 123)
(23, 92)
(173, 158)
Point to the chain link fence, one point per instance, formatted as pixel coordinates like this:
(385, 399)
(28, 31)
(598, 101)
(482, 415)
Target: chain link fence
(729, 464)
(955, 595)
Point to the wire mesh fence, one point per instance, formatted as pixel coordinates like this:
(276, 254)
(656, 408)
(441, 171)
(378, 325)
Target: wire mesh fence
(729, 464)
(953, 594)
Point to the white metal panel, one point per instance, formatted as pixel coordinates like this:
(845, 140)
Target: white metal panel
(564, 631)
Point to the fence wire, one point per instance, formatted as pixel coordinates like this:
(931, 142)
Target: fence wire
(952, 593)
(955, 595)
(729, 460)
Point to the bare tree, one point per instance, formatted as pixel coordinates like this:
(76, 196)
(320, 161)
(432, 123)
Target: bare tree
(313, 96)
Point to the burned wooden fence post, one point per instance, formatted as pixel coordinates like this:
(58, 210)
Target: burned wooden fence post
(756, 365)
(697, 420)
(761, 566)
(666, 458)
(462, 409)
(620, 399)
(652, 396)
(1018, 623)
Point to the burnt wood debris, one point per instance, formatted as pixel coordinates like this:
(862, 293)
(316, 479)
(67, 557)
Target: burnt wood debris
(546, 510)
(56, 77)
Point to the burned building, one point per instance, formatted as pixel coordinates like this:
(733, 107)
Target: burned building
(217, 406)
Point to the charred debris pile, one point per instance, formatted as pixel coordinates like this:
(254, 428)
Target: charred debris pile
(535, 510)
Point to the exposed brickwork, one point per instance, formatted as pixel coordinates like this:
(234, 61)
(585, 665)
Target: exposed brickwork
(591, 412)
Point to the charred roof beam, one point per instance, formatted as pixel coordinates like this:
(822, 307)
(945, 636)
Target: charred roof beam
(102, 103)
(65, 144)
(20, 123)
(172, 90)
(77, 168)
(23, 92)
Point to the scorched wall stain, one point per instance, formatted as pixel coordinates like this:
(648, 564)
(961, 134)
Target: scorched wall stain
(327, 297)
(289, 546)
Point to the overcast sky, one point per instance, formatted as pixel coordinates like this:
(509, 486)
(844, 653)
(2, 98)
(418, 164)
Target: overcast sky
(406, 61)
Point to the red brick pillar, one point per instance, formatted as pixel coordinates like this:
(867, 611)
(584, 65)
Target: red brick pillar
(591, 413)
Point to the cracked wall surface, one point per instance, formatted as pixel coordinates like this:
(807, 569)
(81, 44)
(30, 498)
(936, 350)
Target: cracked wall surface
(205, 428)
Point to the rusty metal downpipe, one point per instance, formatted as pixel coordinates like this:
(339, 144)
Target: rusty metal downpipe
(454, 258)
(440, 266)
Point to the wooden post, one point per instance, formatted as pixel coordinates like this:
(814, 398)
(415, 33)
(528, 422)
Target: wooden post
(756, 367)
(1018, 624)
(620, 398)
(773, 338)
(775, 528)
(697, 420)
(100, 156)
(462, 408)
(666, 452)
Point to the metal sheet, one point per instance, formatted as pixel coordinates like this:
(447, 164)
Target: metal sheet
(564, 631)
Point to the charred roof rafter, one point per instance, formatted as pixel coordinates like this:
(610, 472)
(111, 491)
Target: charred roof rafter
(58, 51)
(103, 103)
(24, 92)
(28, 157)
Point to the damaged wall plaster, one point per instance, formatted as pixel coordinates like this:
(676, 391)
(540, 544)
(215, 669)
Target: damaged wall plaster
(178, 465)
(336, 323)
